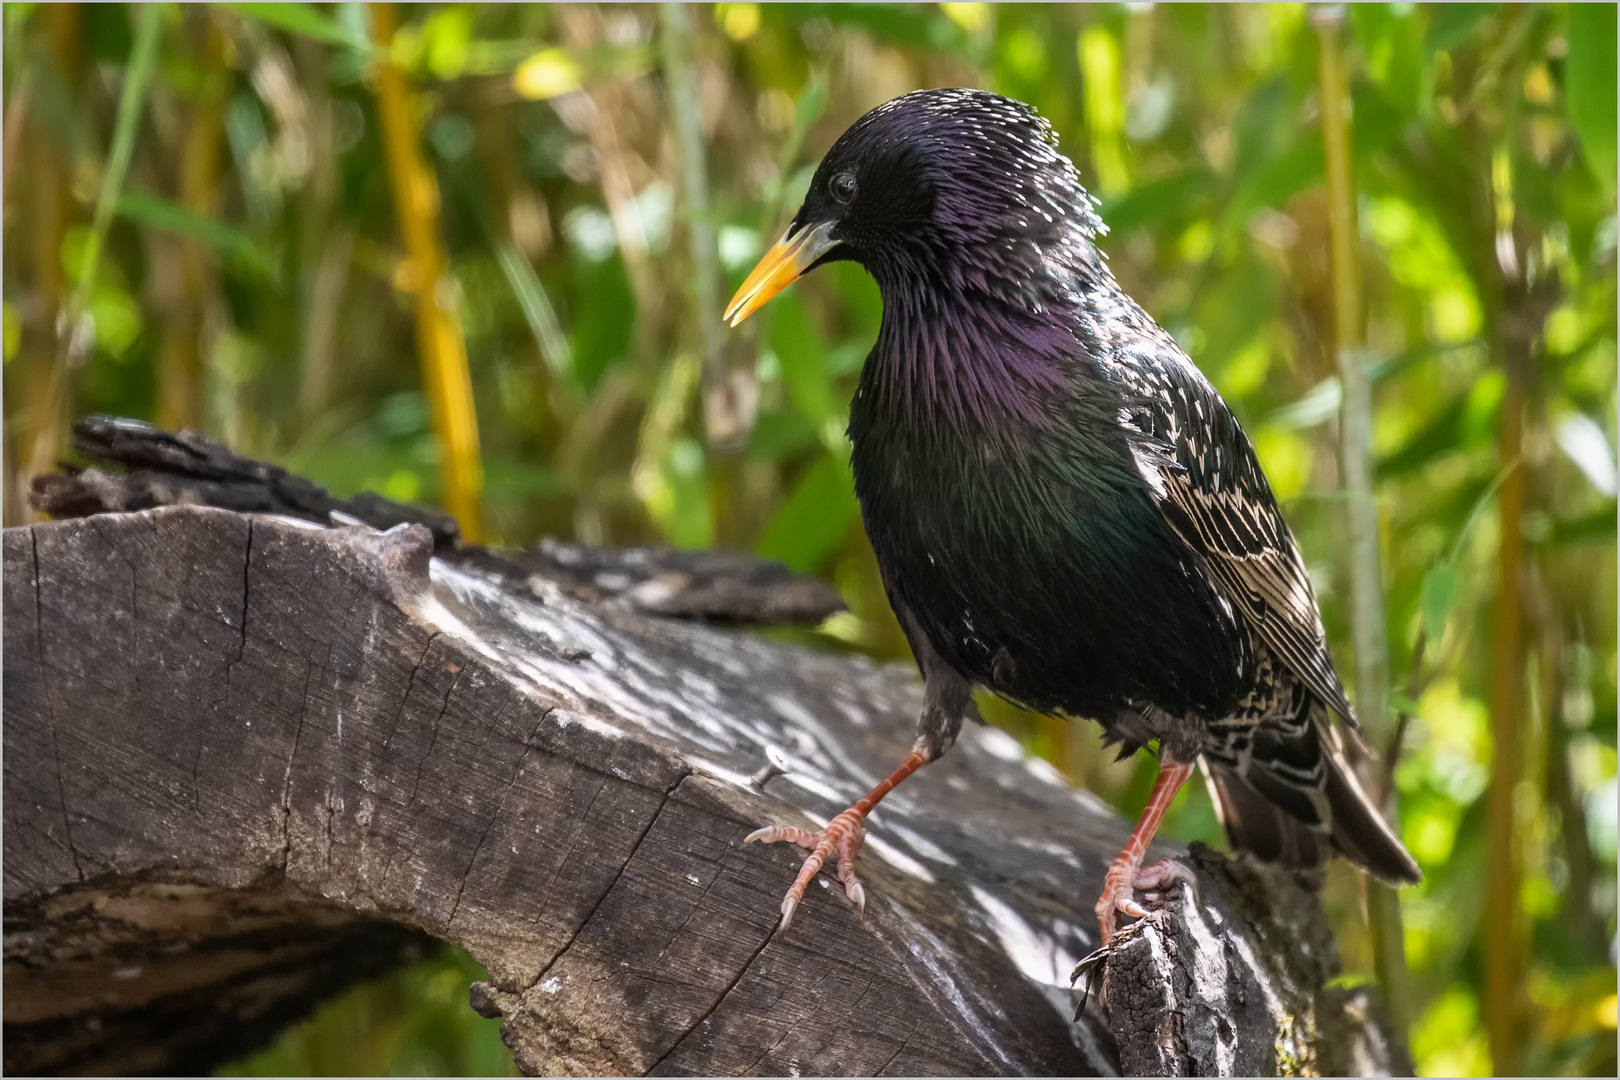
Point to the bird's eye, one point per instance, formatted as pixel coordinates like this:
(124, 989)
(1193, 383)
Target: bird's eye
(842, 188)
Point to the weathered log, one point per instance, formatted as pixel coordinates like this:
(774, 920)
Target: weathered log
(162, 468)
(246, 758)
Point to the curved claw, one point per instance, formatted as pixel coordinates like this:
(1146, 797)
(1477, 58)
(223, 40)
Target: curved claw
(772, 834)
(842, 835)
(1124, 879)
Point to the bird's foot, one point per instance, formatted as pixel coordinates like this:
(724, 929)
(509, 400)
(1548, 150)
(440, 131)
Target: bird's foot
(1164, 874)
(843, 836)
(1126, 877)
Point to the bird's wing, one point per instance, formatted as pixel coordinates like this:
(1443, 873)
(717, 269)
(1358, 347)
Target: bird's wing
(1216, 497)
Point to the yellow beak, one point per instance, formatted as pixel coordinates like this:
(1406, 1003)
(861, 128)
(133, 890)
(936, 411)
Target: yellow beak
(782, 266)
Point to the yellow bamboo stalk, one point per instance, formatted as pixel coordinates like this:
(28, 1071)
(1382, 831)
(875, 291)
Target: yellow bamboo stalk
(180, 358)
(438, 328)
(77, 328)
(31, 407)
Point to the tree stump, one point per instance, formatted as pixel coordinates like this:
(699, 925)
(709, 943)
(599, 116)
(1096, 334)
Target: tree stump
(249, 759)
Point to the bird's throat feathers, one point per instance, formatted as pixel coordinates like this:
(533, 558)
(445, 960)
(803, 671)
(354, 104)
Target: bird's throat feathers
(970, 365)
(981, 330)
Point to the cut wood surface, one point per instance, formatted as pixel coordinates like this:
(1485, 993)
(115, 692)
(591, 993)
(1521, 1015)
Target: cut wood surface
(249, 759)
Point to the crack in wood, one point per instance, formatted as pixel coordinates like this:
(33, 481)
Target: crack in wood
(574, 936)
(880, 1070)
(769, 935)
(50, 704)
(410, 684)
(573, 840)
(854, 1002)
(517, 771)
(433, 739)
(286, 788)
(247, 570)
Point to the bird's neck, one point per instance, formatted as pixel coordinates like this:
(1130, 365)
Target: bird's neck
(947, 357)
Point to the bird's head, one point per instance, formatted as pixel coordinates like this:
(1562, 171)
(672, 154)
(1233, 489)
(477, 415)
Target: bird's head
(941, 188)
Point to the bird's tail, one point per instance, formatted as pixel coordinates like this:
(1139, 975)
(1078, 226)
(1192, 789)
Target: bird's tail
(1258, 825)
(1347, 820)
(1360, 832)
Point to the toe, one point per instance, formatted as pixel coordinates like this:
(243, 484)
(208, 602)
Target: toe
(852, 884)
(842, 837)
(1162, 874)
(1130, 907)
(772, 834)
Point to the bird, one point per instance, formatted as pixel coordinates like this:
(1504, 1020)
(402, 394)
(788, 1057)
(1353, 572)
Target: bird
(1064, 510)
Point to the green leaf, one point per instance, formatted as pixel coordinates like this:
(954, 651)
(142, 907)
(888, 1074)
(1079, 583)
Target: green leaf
(815, 518)
(1450, 24)
(1393, 51)
(305, 20)
(1400, 702)
(1598, 527)
(1589, 82)
(1176, 197)
(537, 309)
(1376, 121)
(1245, 298)
(605, 327)
(891, 24)
(1285, 174)
(1258, 129)
(131, 102)
(863, 302)
(781, 434)
(812, 101)
(804, 361)
(161, 214)
(1440, 588)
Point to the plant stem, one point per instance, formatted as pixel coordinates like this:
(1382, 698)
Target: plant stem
(686, 117)
(727, 394)
(16, 114)
(438, 330)
(180, 381)
(1355, 451)
(1504, 928)
(76, 332)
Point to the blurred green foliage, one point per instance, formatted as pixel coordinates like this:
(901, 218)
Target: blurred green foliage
(413, 1022)
(253, 286)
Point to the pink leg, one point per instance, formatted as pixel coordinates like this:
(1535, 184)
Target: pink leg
(1125, 875)
(843, 835)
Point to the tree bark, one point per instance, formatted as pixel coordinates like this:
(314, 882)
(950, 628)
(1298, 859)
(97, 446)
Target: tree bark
(248, 759)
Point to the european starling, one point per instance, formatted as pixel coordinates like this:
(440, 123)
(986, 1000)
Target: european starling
(1064, 509)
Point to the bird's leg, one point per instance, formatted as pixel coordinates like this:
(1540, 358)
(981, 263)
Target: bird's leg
(843, 835)
(947, 701)
(1126, 875)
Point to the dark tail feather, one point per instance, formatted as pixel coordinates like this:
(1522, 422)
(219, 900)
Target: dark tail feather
(1256, 824)
(1355, 828)
(1360, 832)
